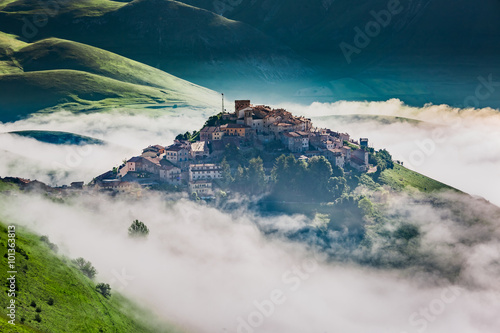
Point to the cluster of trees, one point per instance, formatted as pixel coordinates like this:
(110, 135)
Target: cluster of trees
(315, 180)
(191, 137)
(216, 120)
(382, 159)
(250, 178)
(295, 180)
(291, 179)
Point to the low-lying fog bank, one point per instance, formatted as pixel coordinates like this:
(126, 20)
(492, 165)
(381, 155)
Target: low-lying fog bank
(214, 271)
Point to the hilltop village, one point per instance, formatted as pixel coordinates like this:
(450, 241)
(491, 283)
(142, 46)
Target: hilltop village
(195, 162)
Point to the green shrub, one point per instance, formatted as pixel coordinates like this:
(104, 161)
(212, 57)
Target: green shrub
(138, 229)
(51, 245)
(86, 267)
(104, 289)
(407, 231)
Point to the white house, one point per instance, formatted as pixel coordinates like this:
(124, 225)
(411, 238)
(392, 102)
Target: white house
(304, 137)
(170, 173)
(176, 153)
(296, 141)
(217, 135)
(204, 171)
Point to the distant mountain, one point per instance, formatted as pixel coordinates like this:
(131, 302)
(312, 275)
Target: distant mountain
(59, 73)
(177, 38)
(401, 27)
(419, 51)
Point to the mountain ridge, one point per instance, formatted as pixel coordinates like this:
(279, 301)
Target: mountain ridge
(61, 73)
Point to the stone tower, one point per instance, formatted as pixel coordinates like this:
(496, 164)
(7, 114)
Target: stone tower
(240, 105)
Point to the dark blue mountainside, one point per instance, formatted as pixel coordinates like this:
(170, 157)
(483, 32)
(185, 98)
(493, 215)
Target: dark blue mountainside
(420, 51)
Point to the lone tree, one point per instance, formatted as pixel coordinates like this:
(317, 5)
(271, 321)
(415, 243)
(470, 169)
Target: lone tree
(104, 289)
(86, 267)
(138, 229)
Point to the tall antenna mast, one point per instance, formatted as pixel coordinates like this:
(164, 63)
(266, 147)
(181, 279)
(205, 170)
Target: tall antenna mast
(223, 110)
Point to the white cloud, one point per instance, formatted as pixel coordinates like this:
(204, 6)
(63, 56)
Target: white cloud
(203, 269)
(125, 135)
(459, 147)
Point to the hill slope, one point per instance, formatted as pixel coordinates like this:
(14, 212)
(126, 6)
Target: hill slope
(76, 307)
(426, 51)
(401, 178)
(429, 51)
(22, 94)
(59, 73)
(321, 25)
(165, 34)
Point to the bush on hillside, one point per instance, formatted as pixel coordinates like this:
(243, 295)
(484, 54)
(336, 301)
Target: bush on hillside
(51, 245)
(85, 267)
(103, 289)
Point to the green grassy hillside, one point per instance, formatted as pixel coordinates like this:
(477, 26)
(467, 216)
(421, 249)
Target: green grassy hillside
(67, 299)
(8, 45)
(173, 36)
(5, 186)
(401, 178)
(55, 73)
(22, 94)
(86, 7)
(53, 53)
